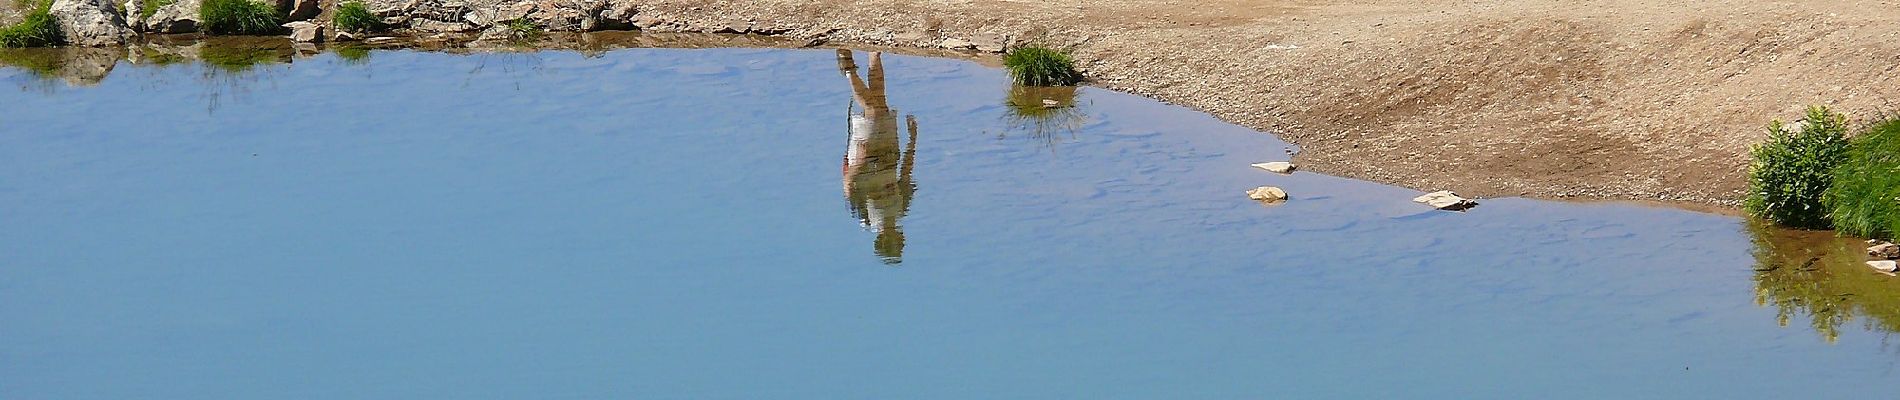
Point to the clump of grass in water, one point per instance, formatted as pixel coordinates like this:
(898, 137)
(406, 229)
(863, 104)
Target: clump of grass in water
(149, 7)
(240, 17)
(354, 16)
(1038, 66)
(1865, 197)
(523, 30)
(38, 29)
(1795, 167)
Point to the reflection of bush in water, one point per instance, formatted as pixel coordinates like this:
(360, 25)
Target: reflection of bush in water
(1044, 113)
(1823, 277)
(353, 54)
(239, 59)
(44, 63)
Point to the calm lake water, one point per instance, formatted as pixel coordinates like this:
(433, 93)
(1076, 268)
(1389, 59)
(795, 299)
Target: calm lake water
(752, 224)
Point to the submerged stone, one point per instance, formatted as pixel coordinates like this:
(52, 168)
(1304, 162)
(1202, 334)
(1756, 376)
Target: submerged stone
(1884, 265)
(1267, 194)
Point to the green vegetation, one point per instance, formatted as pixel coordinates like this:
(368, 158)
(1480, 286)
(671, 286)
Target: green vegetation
(1795, 167)
(522, 30)
(149, 7)
(1865, 197)
(1038, 66)
(354, 16)
(38, 29)
(240, 17)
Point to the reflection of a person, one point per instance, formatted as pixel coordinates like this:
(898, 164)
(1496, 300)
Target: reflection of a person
(877, 168)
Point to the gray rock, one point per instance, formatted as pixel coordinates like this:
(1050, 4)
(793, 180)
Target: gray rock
(1280, 167)
(134, 20)
(91, 23)
(990, 43)
(1885, 250)
(1446, 200)
(178, 17)
(1267, 194)
(304, 10)
(957, 44)
(305, 32)
(1884, 265)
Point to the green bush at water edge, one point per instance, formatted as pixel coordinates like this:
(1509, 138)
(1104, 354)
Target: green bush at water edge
(1795, 167)
(1037, 66)
(353, 16)
(38, 29)
(1865, 197)
(240, 17)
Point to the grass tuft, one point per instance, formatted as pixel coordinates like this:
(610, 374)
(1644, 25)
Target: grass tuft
(240, 17)
(1865, 197)
(1795, 167)
(149, 7)
(38, 29)
(1038, 66)
(354, 16)
(523, 30)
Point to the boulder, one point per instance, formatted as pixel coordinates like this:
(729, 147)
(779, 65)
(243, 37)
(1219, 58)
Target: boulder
(305, 32)
(1446, 200)
(1885, 250)
(134, 20)
(303, 10)
(1279, 167)
(1884, 265)
(177, 17)
(91, 23)
(1267, 194)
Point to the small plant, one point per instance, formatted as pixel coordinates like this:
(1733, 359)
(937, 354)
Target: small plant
(38, 29)
(1795, 167)
(522, 30)
(1865, 197)
(149, 7)
(354, 16)
(1038, 66)
(240, 17)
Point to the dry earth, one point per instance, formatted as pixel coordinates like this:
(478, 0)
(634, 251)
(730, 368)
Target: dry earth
(1608, 99)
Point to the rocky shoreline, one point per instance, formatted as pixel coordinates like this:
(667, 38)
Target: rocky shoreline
(1531, 98)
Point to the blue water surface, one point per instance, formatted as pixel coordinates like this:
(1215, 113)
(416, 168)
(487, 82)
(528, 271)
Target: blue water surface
(680, 224)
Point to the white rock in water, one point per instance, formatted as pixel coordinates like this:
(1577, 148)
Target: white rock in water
(1884, 265)
(1277, 167)
(1267, 194)
(1885, 250)
(1446, 200)
(305, 32)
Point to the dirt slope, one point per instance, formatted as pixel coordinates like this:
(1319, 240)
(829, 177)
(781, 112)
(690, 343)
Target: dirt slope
(1614, 99)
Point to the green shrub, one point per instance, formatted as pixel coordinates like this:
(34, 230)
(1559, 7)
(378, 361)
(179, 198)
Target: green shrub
(1865, 198)
(1037, 66)
(353, 16)
(522, 29)
(38, 29)
(240, 17)
(149, 7)
(1795, 167)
